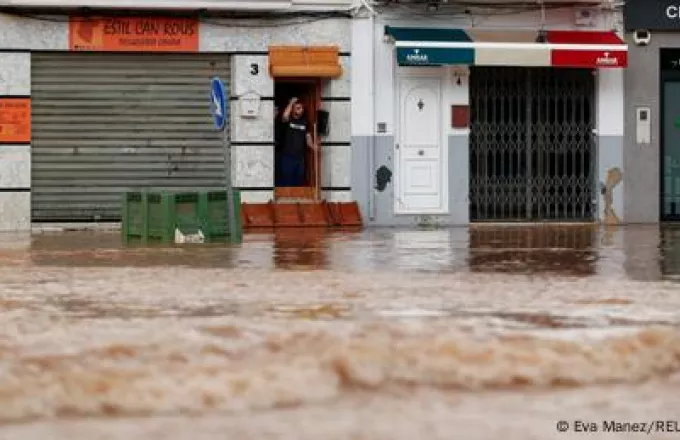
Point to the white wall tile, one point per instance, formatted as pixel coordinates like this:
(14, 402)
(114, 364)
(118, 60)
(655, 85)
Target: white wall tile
(27, 33)
(226, 35)
(340, 87)
(362, 76)
(15, 73)
(15, 166)
(260, 129)
(336, 166)
(250, 74)
(337, 196)
(610, 102)
(340, 129)
(257, 196)
(253, 165)
(15, 211)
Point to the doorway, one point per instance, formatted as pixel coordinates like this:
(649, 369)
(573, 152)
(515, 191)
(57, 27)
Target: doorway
(308, 92)
(419, 154)
(532, 147)
(670, 151)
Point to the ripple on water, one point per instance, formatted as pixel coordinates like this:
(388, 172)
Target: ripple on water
(315, 365)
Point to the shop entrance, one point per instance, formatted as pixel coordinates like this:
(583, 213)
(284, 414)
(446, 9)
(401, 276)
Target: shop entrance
(532, 147)
(307, 91)
(107, 123)
(670, 134)
(670, 158)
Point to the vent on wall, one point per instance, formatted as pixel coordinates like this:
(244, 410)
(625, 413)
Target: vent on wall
(584, 17)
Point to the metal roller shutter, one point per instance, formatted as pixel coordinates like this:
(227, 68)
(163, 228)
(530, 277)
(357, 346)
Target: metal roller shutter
(107, 123)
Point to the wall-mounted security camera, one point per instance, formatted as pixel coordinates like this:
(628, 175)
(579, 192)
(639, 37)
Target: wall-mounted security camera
(642, 37)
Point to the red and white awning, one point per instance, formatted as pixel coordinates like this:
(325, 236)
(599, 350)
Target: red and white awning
(587, 49)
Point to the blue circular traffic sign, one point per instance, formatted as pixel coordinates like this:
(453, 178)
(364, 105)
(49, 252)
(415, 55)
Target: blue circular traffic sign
(218, 103)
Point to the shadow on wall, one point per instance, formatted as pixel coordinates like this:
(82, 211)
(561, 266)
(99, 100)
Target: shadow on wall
(382, 177)
(614, 178)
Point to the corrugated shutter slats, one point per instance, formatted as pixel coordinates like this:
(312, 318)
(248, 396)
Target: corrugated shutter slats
(106, 123)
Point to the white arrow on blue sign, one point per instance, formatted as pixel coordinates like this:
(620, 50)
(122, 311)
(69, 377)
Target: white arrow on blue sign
(218, 102)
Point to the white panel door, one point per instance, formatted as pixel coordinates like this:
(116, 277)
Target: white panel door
(419, 149)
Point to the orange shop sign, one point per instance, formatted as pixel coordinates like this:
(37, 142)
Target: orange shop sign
(133, 34)
(15, 120)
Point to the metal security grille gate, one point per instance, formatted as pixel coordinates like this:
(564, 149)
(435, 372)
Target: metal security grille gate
(532, 147)
(107, 123)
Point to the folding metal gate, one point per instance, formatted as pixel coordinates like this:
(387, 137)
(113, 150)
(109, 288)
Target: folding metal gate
(532, 147)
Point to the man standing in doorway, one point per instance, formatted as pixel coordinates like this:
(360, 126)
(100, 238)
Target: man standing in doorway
(296, 136)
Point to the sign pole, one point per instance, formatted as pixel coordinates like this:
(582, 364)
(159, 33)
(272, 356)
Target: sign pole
(231, 212)
(219, 105)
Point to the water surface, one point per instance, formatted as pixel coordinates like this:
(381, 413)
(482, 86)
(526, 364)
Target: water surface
(380, 334)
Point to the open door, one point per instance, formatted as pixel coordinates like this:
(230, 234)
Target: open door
(299, 71)
(308, 92)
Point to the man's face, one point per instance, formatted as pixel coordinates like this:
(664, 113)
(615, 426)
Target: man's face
(298, 110)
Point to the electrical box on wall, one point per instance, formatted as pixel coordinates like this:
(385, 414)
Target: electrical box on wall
(460, 116)
(322, 119)
(250, 105)
(643, 125)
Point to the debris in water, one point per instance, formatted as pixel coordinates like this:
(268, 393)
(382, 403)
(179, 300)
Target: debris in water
(181, 238)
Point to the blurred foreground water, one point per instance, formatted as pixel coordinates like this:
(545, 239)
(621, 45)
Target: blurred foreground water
(383, 334)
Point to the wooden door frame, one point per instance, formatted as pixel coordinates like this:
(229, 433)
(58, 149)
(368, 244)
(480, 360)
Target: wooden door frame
(312, 173)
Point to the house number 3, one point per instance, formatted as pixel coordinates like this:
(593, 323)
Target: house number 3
(254, 69)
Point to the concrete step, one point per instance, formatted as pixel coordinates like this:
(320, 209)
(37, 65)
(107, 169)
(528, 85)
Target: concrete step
(305, 214)
(295, 200)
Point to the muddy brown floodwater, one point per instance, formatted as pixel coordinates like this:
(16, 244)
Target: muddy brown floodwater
(479, 333)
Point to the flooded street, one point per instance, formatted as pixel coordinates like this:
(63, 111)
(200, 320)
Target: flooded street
(381, 334)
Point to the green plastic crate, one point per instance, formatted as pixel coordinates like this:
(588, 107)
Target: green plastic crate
(153, 217)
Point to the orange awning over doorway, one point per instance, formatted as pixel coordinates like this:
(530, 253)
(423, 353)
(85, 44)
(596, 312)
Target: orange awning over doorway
(304, 62)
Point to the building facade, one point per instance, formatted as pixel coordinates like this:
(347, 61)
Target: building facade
(652, 152)
(473, 114)
(96, 103)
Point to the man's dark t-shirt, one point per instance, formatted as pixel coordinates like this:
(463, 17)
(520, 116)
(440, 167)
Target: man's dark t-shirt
(295, 137)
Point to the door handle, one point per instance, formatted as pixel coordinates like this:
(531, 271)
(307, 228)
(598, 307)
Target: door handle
(421, 152)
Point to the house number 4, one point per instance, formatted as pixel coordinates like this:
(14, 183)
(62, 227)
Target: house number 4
(254, 69)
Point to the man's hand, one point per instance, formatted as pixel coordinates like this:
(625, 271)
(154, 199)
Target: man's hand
(286, 113)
